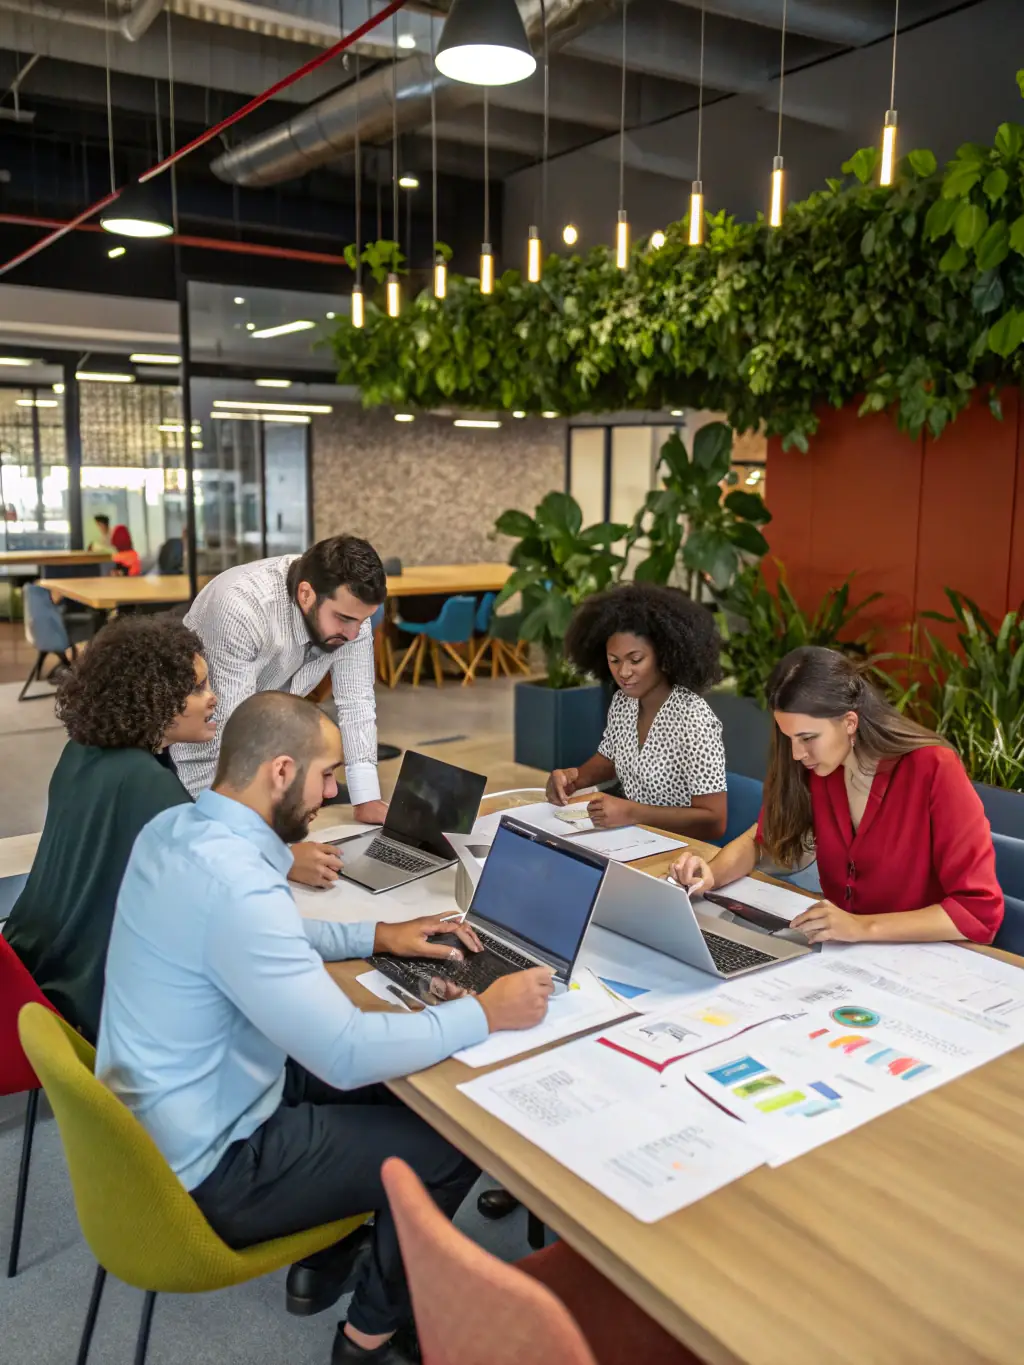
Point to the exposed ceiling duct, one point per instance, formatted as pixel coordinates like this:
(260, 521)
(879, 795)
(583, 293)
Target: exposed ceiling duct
(133, 25)
(327, 130)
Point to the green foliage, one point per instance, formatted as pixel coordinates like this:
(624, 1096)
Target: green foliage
(557, 563)
(760, 627)
(909, 297)
(718, 532)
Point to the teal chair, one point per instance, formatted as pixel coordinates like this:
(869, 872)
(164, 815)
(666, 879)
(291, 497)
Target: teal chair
(46, 629)
(453, 627)
(499, 636)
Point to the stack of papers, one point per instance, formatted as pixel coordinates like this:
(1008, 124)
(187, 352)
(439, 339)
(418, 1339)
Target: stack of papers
(623, 845)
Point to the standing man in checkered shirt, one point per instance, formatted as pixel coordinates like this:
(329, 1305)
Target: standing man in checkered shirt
(281, 625)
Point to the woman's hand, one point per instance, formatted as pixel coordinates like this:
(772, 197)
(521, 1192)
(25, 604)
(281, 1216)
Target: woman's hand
(610, 812)
(826, 923)
(561, 785)
(693, 873)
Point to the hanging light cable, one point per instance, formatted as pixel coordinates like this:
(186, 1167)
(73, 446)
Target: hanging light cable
(534, 245)
(697, 190)
(486, 254)
(778, 170)
(394, 290)
(358, 298)
(440, 264)
(622, 226)
(888, 167)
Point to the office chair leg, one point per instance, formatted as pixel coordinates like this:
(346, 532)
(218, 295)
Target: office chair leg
(417, 667)
(142, 1343)
(90, 1317)
(457, 659)
(37, 671)
(534, 1232)
(31, 1110)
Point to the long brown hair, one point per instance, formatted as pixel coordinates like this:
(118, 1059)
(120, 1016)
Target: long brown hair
(812, 681)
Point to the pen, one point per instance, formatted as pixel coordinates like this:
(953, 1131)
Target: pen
(408, 1000)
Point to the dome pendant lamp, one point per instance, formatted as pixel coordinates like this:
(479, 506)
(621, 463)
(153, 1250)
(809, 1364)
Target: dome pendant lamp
(888, 167)
(484, 43)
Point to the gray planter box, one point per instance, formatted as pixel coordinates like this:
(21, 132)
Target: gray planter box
(558, 728)
(746, 730)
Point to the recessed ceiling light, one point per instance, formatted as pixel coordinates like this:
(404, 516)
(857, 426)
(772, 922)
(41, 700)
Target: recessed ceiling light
(116, 251)
(331, 317)
(250, 326)
(519, 415)
(235, 416)
(295, 418)
(479, 422)
(404, 417)
(58, 388)
(101, 377)
(657, 240)
(409, 182)
(406, 42)
(298, 418)
(570, 234)
(143, 358)
(238, 299)
(247, 406)
(549, 414)
(14, 360)
(283, 329)
(35, 402)
(273, 383)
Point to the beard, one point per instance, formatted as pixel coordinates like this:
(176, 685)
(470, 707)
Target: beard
(327, 643)
(290, 819)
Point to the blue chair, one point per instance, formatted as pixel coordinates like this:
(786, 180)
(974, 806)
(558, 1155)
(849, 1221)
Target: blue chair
(1010, 872)
(45, 629)
(454, 626)
(744, 796)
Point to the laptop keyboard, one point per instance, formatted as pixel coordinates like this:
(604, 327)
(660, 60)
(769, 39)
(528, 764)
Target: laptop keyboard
(475, 973)
(401, 858)
(729, 956)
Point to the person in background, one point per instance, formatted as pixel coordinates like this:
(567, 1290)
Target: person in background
(125, 556)
(253, 1073)
(903, 846)
(140, 685)
(102, 539)
(286, 623)
(662, 742)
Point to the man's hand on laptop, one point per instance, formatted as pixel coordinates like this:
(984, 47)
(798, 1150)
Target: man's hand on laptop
(519, 1000)
(693, 873)
(371, 812)
(315, 864)
(415, 938)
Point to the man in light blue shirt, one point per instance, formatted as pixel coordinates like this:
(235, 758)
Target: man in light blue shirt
(226, 1037)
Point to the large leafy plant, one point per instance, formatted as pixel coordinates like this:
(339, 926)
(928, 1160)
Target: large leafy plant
(557, 564)
(759, 627)
(689, 530)
(906, 298)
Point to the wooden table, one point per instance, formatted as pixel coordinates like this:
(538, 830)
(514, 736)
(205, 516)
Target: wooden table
(429, 579)
(29, 558)
(107, 594)
(899, 1244)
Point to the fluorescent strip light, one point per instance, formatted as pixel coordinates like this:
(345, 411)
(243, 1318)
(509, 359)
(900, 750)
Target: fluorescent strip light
(549, 414)
(116, 252)
(477, 422)
(519, 415)
(142, 359)
(235, 416)
(248, 406)
(171, 426)
(273, 383)
(100, 377)
(888, 168)
(14, 360)
(36, 402)
(283, 329)
(409, 182)
(404, 417)
(297, 419)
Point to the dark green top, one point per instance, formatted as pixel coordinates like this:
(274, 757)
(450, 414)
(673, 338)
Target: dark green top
(99, 799)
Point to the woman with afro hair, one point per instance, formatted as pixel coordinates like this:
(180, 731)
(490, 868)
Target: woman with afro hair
(662, 743)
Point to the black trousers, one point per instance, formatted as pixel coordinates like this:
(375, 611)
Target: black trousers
(318, 1158)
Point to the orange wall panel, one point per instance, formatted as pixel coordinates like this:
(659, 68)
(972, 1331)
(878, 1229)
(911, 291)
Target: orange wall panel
(1015, 584)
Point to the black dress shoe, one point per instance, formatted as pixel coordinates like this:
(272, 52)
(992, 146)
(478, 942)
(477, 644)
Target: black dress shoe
(397, 1351)
(318, 1283)
(495, 1204)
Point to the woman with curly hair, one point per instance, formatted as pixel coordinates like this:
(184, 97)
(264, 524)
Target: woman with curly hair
(141, 685)
(663, 743)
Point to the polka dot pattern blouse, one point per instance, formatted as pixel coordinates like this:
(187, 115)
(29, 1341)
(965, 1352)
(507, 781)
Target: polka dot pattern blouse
(682, 757)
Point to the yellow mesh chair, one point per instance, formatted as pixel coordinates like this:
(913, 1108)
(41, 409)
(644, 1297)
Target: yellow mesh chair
(137, 1218)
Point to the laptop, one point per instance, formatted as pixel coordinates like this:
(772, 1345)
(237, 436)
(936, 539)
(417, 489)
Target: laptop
(660, 915)
(430, 797)
(531, 908)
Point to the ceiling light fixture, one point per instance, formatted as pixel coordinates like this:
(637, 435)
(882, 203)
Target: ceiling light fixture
(778, 170)
(888, 167)
(250, 326)
(357, 307)
(534, 248)
(657, 239)
(407, 42)
(697, 189)
(409, 182)
(171, 427)
(239, 299)
(58, 388)
(486, 253)
(143, 358)
(140, 211)
(330, 316)
(676, 412)
(570, 234)
(440, 264)
(549, 414)
(479, 423)
(273, 383)
(622, 226)
(296, 419)
(35, 402)
(484, 43)
(519, 415)
(404, 417)
(104, 377)
(394, 285)
(116, 252)
(248, 405)
(281, 330)
(235, 416)
(15, 360)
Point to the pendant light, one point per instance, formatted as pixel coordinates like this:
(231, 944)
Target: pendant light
(358, 298)
(697, 190)
(534, 246)
(140, 211)
(622, 226)
(778, 170)
(888, 167)
(440, 264)
(484, 43)
(394, 288)
(486, 254)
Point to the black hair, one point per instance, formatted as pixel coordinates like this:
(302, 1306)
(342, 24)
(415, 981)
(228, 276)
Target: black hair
(682, 633)
(102, 520)
(341, 562)
(264, 726)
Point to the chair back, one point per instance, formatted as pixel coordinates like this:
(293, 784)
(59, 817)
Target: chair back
(377, 619)
(455, 623)
(1010, 874)
(744, 796)
(44, 624)
(17, 988)
(135, 1214)
(471, 1308)
(171, 557)
(393, 568)
(485, 613)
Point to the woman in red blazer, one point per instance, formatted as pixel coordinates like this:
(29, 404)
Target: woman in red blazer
(903, 846)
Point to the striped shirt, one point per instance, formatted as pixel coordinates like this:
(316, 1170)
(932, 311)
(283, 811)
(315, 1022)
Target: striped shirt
(255, 640)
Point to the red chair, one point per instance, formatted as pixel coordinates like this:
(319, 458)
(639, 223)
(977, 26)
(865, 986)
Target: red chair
(550, 1309)
(16, 1075)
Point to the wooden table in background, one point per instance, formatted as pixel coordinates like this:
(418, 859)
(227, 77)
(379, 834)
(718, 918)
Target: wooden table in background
(28, 559)
(108, 594)
(899, 1244)
(429, 579)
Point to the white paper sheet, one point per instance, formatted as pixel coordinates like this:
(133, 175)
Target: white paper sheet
(652, 980)
(541, 815)
(586, 1006)
(649, 1149)
(627, 844)
(378, 984)
(777, 900)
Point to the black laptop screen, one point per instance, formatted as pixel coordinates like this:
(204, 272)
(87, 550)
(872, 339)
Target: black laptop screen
(432, 798)
(539, 891)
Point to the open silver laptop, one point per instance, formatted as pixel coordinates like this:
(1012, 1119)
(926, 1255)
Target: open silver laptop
(660, 915)
(430, 797)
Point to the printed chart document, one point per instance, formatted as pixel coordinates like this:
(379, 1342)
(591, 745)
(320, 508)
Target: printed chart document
(629, 843)
(650, 1149)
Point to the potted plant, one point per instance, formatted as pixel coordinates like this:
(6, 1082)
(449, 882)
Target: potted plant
(559, 719)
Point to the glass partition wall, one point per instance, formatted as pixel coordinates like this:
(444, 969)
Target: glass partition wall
(33, 470)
